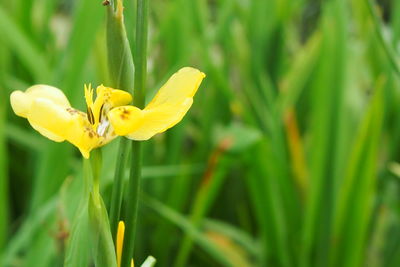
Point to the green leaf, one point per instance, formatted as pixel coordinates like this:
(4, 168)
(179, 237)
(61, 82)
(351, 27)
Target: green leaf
(355, 207)
(119, 53)
(29, 55)
(236, 234)
(185, 225)
(240, 137)
(101, 242)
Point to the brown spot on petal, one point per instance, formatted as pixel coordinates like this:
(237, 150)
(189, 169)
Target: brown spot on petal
(125, 113)
(72, 111)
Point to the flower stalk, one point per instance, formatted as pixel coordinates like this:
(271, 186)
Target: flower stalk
(103, 245)
(139, 101)
(121, 71)
(77, 253)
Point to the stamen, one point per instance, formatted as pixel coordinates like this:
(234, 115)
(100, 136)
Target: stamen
(89, 95)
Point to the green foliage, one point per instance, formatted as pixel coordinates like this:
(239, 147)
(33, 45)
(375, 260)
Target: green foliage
(288, 157)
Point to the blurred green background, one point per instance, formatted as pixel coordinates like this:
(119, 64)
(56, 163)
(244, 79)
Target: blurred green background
(288, 156)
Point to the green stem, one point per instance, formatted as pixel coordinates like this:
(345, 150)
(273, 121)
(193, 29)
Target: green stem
(117, 193)
(102, 243)
(4, 178)
(140, 58)
(78, 249)
(139, 101)
(96, 161)
(87, 180)
(121, 71)
(132, 205)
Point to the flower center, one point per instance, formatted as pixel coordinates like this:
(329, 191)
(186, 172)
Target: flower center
(96, 111)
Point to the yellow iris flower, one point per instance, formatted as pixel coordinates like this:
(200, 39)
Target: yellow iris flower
(49, 112)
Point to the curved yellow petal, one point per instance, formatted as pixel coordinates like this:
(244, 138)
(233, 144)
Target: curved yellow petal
(166, 109)
(59, 123)
(49, 119)
(182, 85)
(21, 101)
(114, 97)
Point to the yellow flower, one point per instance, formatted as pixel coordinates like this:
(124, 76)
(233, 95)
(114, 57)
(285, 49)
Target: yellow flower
(49, 112)
(120, 243)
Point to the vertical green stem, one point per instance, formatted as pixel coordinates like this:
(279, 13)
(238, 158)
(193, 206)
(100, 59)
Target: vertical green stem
(117, 191)
(140, 56)
(4, 208)
(96, 161)
(4, 197)
(102, 244)
(121, 73)
(139, 101)
(78, 249)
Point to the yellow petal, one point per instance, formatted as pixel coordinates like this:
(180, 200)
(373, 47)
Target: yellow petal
(120, 241)
(106, 99)
(21, 101)
(58, 124)
(167, 108)
(82, 135)
(114, 97)
(183, 84)
(49, 119)
(125, 119)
